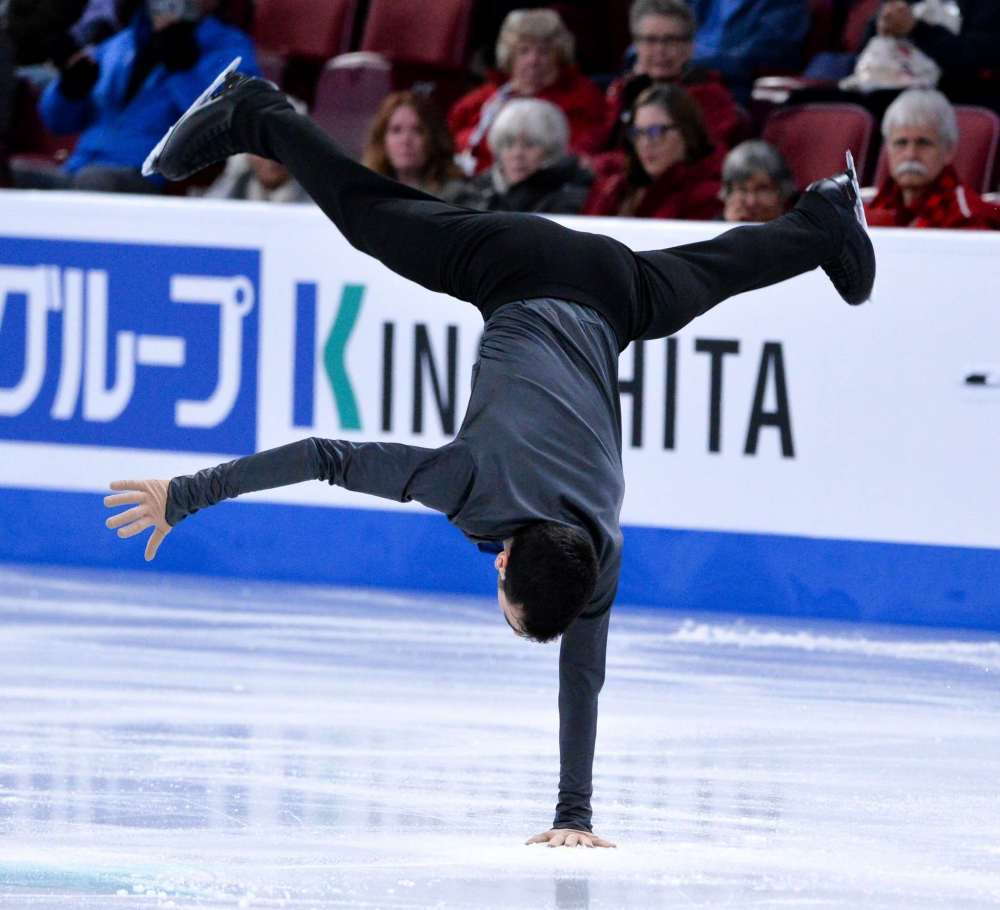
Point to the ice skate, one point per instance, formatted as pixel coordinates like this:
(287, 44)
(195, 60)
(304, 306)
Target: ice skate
(202, 137)
(852, 271)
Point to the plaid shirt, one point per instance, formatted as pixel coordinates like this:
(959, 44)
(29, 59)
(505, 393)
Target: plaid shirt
(946, 203)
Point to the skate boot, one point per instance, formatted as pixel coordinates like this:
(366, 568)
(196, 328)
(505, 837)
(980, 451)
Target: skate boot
(852, 271)
(202, 136)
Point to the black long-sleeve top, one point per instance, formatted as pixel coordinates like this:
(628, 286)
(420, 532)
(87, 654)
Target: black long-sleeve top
(541, 441)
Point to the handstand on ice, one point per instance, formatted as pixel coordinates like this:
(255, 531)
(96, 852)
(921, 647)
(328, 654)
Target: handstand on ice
(535, 472)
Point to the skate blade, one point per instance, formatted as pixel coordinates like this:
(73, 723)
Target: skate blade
(859, 206)
(149, 166)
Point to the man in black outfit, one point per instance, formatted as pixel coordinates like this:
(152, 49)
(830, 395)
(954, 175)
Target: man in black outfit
(535, 472)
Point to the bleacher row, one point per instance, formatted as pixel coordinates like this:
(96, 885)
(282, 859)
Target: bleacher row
(344, 57)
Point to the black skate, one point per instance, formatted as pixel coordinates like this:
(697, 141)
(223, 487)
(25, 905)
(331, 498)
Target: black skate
(202, 136)
(852, 271)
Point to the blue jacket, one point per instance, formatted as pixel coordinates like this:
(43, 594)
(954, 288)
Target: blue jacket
(737, 37)
(115, 133)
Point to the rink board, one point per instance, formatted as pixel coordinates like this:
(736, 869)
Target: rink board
(783, 454)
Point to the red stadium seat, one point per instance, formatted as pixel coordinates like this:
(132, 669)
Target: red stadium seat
(310, 29)
(430, 32)
(814, 137)
(349, 93)
(976, 154)
(859, 14)
(820, 23)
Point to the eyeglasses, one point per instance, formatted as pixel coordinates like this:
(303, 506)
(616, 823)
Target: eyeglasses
(656, 133)
(661, 40)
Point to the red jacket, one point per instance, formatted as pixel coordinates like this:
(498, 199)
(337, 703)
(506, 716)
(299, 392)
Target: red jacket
(705, 86)
(946, 203)
(580, 99)
(688, 192)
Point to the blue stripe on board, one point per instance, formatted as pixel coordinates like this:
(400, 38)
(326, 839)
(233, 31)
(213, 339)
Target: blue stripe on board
(305, 354)
(695, 570)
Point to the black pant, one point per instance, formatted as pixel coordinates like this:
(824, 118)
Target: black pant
(492, 258)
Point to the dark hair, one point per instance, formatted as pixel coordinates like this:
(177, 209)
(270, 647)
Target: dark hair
(551, 575)
(687, 117)
(440, 166)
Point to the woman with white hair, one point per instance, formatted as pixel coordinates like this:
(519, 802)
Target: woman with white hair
(757, 183)
(535, 54)
(923, 190)
(532, 170)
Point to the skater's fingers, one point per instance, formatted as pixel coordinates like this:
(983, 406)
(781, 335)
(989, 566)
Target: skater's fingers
(537, 839)
(123, 518)
(557, 840)
(124, 499)
(155, 539)
(136, 527)
(130, 485)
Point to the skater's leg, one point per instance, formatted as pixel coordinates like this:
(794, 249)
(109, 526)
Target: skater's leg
(686, 281)
(486, 258)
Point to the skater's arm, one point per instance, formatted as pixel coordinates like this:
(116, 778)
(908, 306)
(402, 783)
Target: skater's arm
(581, 676)
(438, 478)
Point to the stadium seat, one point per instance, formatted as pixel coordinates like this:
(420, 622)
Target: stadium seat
(859, 14)
(814, 137)
(976, 154)
(820, 23)
(430, 32)
(349, 93)
(310, 29)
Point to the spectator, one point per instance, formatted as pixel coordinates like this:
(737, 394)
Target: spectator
(672, 169)
(663, 36)
(254, 179)
(740, 37)
(535, 56)
(969, 60)
(31, 32)
(126, 94)
(923, 190)
(410, 142)
(757, 183)
(532, 171)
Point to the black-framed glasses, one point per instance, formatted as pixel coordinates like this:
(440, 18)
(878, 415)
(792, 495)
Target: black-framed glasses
(655, 133)
(661, 40)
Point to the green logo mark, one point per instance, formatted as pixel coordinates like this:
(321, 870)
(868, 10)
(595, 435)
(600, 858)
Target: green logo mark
(333, 356)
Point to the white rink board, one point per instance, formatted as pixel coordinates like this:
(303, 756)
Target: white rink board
(890, 443)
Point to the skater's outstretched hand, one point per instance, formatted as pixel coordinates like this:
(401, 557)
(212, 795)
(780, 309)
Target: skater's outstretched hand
(569, 837)
(150, 500)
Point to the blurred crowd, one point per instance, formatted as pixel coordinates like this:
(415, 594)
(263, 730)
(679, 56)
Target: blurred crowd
(550, 114)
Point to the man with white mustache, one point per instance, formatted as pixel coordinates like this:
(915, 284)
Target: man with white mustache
(921, 135)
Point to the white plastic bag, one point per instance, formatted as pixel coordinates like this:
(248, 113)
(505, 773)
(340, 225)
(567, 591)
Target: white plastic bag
(891, 63)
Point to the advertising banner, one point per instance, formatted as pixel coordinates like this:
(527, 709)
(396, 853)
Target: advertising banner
(783, 453)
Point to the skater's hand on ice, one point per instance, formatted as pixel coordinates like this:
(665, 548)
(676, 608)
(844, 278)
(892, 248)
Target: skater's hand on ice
(150, 500)
(569, 837)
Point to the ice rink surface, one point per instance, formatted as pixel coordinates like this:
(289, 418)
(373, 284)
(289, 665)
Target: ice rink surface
(178, 742)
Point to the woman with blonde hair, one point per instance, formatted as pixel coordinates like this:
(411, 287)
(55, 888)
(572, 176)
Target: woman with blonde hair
(410, 142)
(535, 53)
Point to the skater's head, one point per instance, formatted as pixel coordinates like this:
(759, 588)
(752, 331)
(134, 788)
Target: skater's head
(667, 129)
(663, 35)
(527, 135)
(410, 142)
(533, 48)
(757, 183)
(921, 133)
(546, 575)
